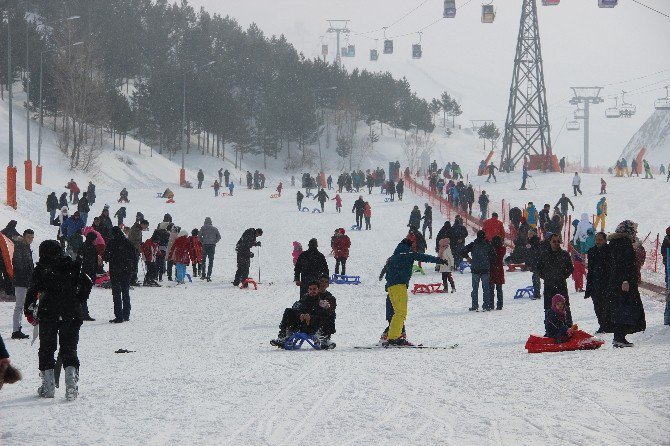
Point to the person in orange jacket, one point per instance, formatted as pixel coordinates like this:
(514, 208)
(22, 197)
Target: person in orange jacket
(493, 226)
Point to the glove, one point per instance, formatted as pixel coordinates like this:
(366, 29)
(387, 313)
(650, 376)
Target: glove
(257, 244)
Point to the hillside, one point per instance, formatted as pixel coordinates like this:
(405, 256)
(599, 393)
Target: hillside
(654, 135)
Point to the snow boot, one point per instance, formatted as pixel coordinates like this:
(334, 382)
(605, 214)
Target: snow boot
(88, 318)
(621, 343)
(48, 387)
(71, 380)
(281, 339)
(18, 334)
(400, 342)
(323, 341)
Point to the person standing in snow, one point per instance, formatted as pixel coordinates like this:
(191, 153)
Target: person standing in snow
(367, 214)
(62, 201)
(195, 251)
(340, 243)
(491, 170)
(400, 188)
(524, 177)
(180, 256)
(415, 218)
(633, 168)
(576, 182)
(310, 266)
(561, 164)
(52, 206)
(603, 186)
(201, 178)
(120, 214)
(220, 173)
(123, 196)
(322, 196)
(90, 191)
(135, 238)
(209, 237)
(480, 265)
(359, 209)
(53, 292)
(89, 258)
(83, 208)
(483, 204)
(492, 227)
(226, 177)
(427, 221)
(298, 198)
(647, 170)
(244, 254)
(444, 252)
(338, 203)
(22, 262)
(601, 214)
(280, 186)
(563, 203)
(120, 254)
(597, 281)
(231, 187)
(457, 239)
(497, 272)
(216, 187)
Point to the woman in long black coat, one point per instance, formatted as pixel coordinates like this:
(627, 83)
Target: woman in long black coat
(627, 314)
(597, 282)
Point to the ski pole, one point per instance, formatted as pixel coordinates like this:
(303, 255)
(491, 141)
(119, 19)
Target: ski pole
(258, 254)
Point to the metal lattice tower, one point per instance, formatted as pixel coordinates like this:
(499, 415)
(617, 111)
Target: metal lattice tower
(527, 124)
(338, 27)
(586, 96)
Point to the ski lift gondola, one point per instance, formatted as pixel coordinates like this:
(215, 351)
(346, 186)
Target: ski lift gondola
(388, 44)
(663, 103)
(351, 51)
(626, 110)
(550, 2)
(374, 55)
(573, 125)
(613, 112)
(607, 3)
(416, 49)
(488, 13)
(449, 9)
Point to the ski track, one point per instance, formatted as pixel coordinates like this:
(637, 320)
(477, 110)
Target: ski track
(204, 372)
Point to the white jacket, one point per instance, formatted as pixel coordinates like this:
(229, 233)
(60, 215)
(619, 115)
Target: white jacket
(576, 180)
(448, 256)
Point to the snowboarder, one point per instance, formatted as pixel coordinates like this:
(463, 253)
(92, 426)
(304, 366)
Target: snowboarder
(244, 254)
(492, 170)
(201, 178)
(322, 196)
(601, 214)
(22, 262)
(576, 182)
(359, 209)
(310, 266)
(427, 221)
(120, 214)
(53, 293)
(298, 198)
(647, 170)
(398, 274)
(209, 237)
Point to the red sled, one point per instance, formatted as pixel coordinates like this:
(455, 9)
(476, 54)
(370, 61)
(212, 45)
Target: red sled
(579, 341)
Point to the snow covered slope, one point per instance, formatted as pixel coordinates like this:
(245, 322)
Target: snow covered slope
(654, 135)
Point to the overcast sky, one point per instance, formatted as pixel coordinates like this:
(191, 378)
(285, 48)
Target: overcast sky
(582, 45)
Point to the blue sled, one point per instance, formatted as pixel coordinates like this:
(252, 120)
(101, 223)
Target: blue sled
(305, 209)
(355, 228)
(295, 341)
(316, 211)
(524, 292)
(345, 280)
(462, 266)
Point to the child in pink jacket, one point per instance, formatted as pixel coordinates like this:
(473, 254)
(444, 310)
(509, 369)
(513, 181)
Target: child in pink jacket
(297, 250)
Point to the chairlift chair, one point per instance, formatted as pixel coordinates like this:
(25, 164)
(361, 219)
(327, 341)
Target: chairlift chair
(626, 109)
(374, 55)
(388, 46)
(613, 112)
(663, 103)
(550, 2)
(573, 125)
(416, 51)
(607, 3)
(449, 9)
(488, 14)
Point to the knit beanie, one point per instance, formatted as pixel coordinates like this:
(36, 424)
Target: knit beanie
(627, 227)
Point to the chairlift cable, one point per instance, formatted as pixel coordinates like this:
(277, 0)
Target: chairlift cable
(636, 78)
(407, 14)
(655, 10)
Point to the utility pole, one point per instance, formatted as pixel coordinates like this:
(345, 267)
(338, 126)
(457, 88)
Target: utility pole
(11, 170)
(527, 124)
(338, 27)
(586, 96)
(28, 163)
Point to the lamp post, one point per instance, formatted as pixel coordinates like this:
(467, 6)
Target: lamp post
(182, 171)
(38, 169)
(11, 170)
(28, 164)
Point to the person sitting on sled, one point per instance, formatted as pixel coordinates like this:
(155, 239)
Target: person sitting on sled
(556, 321)
(313, 314)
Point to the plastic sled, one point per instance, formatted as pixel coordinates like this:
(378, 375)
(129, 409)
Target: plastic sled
(427, 288)
(579, 341)
(462, 266)
(248, 281)
(388, 200)
(309, 195)
(170, 201)
(528, 292)
(305, 209)
(159, 195)
(418, 269)
(101, 280)
(295, 341)
(7, 252)
(345, 280)
(511, 267)
(274, 196)
(355, 228)
(316, 211)
(224, 194)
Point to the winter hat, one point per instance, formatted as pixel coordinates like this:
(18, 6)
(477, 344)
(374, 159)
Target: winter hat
(667, 230)
(556, 300)
(139, 216)
(49, 249)
(64, 209)
(106, 207)
(627, 227)
(183, 233)
(313, 243)
(341, 231)
(481, 235)
(167, 218)
(208, 220)
(91, 236)
(195, 232)
(297, 245)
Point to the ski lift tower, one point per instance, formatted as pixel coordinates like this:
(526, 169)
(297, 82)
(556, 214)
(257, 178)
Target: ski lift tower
(586, 96)
(338, 27)
(527, 124)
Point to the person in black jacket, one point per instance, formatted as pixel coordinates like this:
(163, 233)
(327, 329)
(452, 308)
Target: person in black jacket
(56, 281)
(533, 257)
(298, 198)
(400, 189)
(244, 254)
(457, 239)
(627, 313)
(359, 209)
(427, 221)
(83, 207)
(554, 267)
(311, 265)
(322, 196)
(88, 257)
(62, 201)
(444, 232)
(120, 254)
(52, 206)
(597, 281)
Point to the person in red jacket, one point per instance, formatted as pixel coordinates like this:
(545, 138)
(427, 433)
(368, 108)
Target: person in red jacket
(493, 227)
(340, 244)
(338, 203)
(180, 256)
(578, 272)
(149, 250)
(195, 252)
(497, 271)
(367, 213)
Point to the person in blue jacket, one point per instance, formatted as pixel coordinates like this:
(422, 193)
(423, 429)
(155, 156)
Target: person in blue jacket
(398, 273)
(72, 225)
(231, 187)
(531, 215)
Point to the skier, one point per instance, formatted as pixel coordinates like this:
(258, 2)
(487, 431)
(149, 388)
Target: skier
(400, 188)
(576, 182)
(201, 178)
(209, 237)
(340, 244)
(563, 203)
(524, 177)
(359, 209)
(492, 170)
(298, 197)
(322, 196)
(601, 214)
(603, 187)
(22, 262)
(53, 293)
(398, 274)
(483, 204)
(52, 206)
(123, 196)
(415, 218)
(338, 203)
(310, 266)
(120, 214)
(367, 214)
(244, 254)
(120, 254)
(313, 314)
(427, 221)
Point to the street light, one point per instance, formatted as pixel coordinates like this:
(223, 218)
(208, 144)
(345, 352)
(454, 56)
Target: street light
(38, 169)
(182, 171)
(11, 170)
